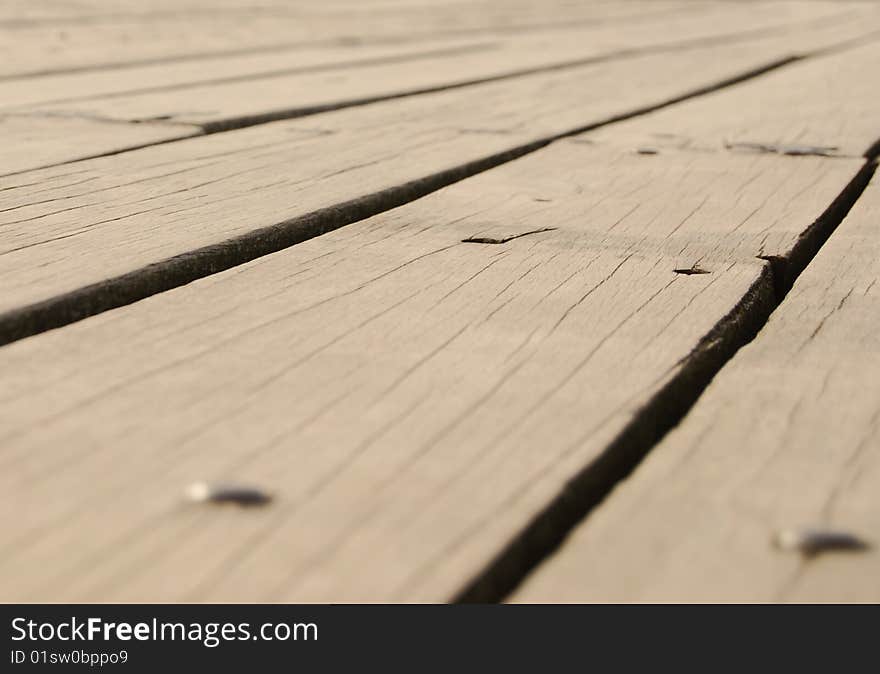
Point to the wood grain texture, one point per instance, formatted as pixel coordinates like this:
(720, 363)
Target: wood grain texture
(409, 399)
(785, 437)
(70, 226)
(823, 103)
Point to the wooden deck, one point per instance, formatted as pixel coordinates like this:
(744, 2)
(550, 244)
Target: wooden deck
(491, 300)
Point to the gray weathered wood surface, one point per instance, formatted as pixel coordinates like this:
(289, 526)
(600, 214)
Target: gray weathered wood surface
(438, 329)
(815, 105)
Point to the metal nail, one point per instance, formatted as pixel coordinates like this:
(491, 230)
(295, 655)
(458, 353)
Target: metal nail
(202, 492)
(811, 542)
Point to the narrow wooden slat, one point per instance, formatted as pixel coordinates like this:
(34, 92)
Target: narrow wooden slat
(65, 228)
(409, 399)
(34, 142)
(786, 438)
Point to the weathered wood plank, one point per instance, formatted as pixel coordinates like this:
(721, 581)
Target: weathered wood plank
(837, 117)
(71, 226)
(786, 437)
(409, 399)
(32, 142)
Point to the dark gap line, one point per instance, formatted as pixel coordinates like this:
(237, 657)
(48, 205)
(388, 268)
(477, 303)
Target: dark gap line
(507, 239)
(664, 411)
(873, 152)
(179, 270)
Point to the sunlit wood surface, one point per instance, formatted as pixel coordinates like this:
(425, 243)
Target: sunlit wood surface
(433, 300)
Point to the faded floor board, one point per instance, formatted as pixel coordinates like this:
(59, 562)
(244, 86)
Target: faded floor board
(787, 436)
(824, 103)
(109, 41)
(31, 142)
(409, 399)
(209, 91)
(71, 226)
(76, 126)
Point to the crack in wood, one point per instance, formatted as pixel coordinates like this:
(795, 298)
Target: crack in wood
(689, 271)
(492, 241)
(791, 150)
